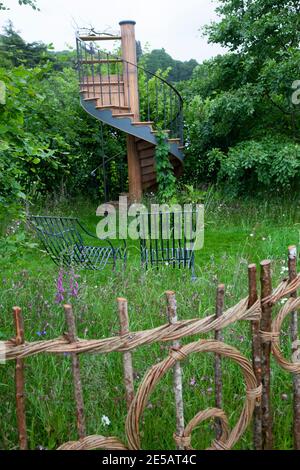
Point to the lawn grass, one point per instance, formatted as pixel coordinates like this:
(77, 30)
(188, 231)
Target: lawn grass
(236, 233)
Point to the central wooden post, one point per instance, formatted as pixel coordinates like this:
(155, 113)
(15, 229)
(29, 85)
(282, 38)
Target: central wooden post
(131, 92)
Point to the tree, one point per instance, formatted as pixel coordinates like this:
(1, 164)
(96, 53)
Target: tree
(239, 104)
(159, 59)
(15, 51)
(31, 3)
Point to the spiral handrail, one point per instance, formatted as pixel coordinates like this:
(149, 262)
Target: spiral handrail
(101, 75)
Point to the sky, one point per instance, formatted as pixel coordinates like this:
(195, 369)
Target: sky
(170, 24)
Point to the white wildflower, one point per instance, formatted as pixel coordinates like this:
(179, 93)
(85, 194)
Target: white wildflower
(105, 420)
(283, 270)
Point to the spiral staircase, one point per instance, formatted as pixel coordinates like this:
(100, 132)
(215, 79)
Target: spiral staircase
(117, 91)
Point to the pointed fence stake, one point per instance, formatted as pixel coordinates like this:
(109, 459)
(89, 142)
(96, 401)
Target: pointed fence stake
(265, 326)
(20, 382)
(292, 262)
(127, 356)
(256, 355)
(76, 372)
(218, 364)
(177, 376)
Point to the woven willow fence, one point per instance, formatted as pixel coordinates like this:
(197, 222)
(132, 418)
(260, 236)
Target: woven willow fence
(265, 333)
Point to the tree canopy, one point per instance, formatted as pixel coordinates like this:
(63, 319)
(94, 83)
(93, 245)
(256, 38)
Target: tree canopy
(159, 59)
(242, 125)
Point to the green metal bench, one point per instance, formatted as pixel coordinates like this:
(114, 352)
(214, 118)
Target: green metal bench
(166, 242)
(62, 239)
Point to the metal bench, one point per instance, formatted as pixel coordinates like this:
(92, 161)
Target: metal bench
(164, 241)
(62, 239)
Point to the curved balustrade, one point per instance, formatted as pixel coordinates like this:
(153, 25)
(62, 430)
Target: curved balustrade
(105, 76)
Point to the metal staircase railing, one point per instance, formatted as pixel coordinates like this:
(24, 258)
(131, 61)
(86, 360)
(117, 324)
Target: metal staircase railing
(101, 76)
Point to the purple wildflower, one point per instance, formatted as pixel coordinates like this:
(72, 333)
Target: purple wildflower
(193, 382)
(74, 287)
(60, 288)
(41, 333)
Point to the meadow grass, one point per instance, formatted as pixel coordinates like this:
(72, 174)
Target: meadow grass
(236, 233)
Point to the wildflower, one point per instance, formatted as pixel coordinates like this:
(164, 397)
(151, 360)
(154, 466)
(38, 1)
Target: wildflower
(284, 396)
(41, 333)
(105, 420)
(74, 287)
(283, 301)
(263, 239)
(284, 269)
(193, 382)
(251, 234)
(60, 288)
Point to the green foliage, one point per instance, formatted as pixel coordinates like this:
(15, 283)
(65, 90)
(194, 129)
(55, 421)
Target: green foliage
(259, 28)
(31, 3)
(164, 171)
(15, 51)
(272, 163)
(47, 141)
(30, 282)
(153, 97)
(242, 99)
(159, 59)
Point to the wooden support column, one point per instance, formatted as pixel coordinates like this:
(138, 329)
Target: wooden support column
(218, 362)
(256, 356)
(20, 381)
(131, 91)
(265, 326)
(292, 250)
(134, 171)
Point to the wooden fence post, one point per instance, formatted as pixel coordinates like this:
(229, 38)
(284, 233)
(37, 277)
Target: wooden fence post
(265, 326)
(76, 372)
(256, 355)
(127, 356)
(292, 262)
(20, 382)
(177, 377)
(218, 365)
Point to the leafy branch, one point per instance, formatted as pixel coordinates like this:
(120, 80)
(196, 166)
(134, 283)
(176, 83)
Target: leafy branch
(166, 179)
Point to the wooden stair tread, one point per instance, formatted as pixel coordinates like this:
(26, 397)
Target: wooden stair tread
(144, 145)
(84, 84)
(141, 123)
(147, 170)
(149, 184)
(111, 106)
(146, 153)
(150, 177)
(100, 61)
(100, 38)
(173, 140)
(146, 162)
(123, 115)
(167, 131)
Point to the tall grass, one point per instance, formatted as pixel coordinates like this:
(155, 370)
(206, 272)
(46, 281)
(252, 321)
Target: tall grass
(236, 233)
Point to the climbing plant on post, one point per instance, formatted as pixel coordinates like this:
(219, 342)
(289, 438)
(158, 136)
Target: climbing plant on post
(166, 179)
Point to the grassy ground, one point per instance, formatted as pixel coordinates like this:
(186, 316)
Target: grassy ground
(236, 233)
